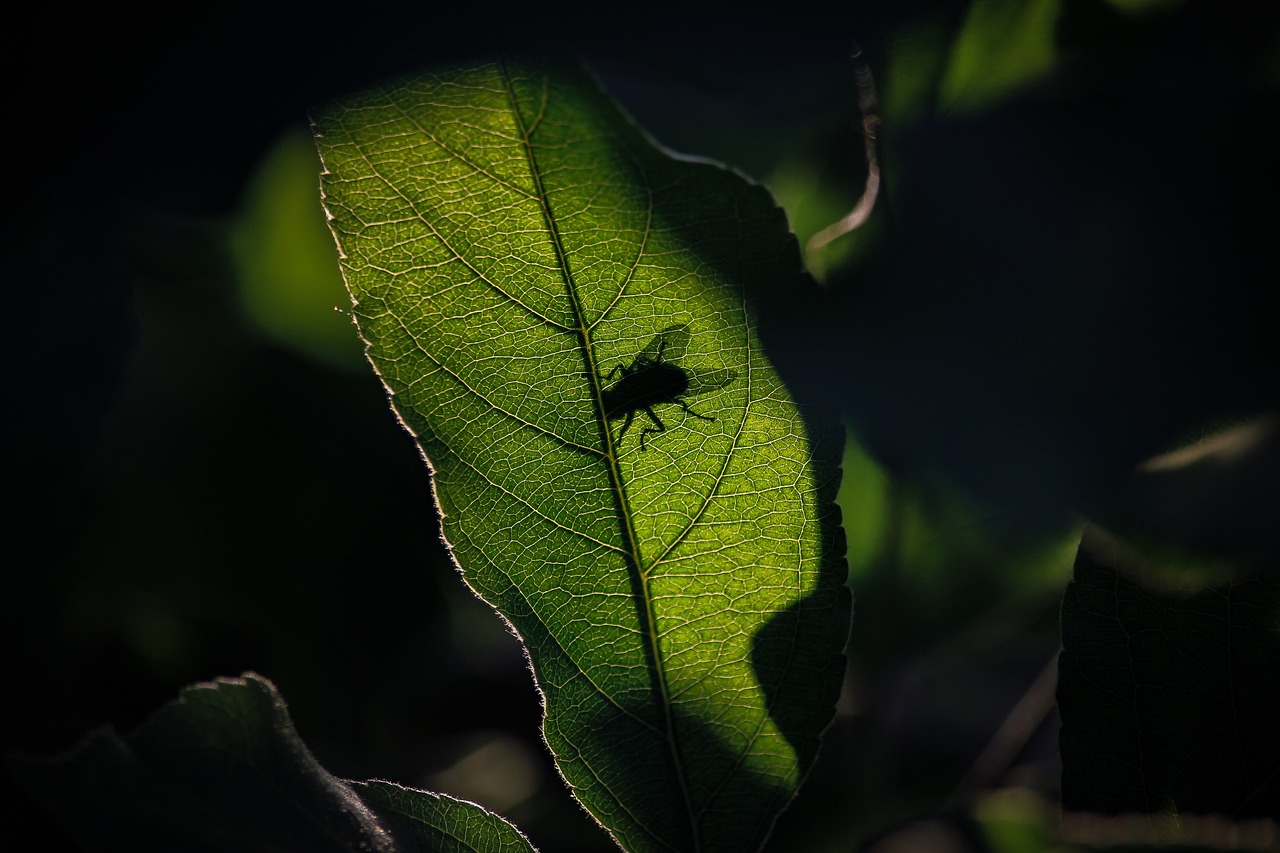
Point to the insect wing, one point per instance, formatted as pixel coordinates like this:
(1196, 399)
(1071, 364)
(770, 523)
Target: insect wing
(703, 381)
(668, 345)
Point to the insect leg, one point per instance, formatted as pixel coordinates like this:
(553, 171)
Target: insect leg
(644, 433)
(626, 424)
(682, 404)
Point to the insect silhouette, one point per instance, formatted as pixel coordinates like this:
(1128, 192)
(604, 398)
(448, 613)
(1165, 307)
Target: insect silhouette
(655, 376)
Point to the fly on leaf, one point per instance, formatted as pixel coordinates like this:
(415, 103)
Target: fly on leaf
(654, 377)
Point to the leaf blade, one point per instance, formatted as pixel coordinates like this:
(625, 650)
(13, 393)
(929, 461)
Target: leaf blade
(643, 580)
(222, 768)
(1167, 695)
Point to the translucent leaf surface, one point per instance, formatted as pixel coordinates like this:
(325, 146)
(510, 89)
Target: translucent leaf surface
(223, 769)
(560, 313)
(434, 822)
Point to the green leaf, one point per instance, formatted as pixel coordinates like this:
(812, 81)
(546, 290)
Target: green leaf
(1168, 697)
(284, 258)
(511, 243)
(1004, 46)
(435, 822)
(222, 769)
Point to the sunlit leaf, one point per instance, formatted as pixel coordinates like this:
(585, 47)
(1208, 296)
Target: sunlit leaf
(517, 251)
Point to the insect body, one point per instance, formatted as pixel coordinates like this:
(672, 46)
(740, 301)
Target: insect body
(655, 377)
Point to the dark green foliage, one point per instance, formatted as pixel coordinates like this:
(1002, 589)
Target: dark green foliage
(1169, 699)
(222, 769)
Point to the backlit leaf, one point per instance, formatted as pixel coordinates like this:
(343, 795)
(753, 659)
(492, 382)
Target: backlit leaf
(511, 243)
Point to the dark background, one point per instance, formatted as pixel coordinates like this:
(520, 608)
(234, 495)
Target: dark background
(1057, 289)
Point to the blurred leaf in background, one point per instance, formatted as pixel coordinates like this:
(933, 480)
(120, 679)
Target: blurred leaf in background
(286, 263)
(1002, 47)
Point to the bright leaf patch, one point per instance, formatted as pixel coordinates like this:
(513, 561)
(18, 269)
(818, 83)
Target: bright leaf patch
(511, 242)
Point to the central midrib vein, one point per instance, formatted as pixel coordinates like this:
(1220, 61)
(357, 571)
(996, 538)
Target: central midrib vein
(630, 542)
